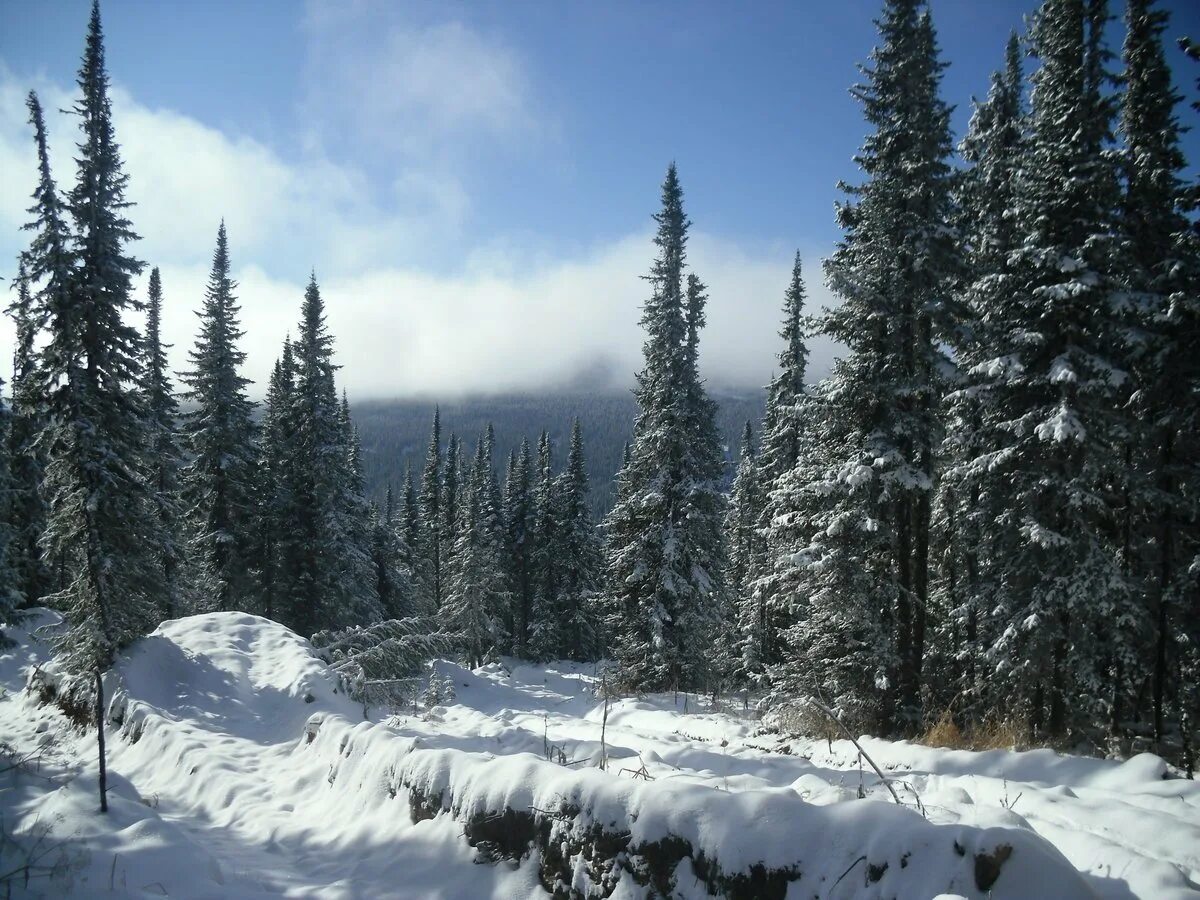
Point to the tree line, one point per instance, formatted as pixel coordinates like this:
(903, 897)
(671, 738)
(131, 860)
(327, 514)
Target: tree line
(988, 509)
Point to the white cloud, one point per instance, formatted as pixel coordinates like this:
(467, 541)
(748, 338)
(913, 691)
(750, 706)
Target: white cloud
(507, 319)
(376, 75)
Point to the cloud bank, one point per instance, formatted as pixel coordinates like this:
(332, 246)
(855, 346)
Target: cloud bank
(504, 319)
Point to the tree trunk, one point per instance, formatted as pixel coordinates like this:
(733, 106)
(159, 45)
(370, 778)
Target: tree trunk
(1165, 574)
(100, 741)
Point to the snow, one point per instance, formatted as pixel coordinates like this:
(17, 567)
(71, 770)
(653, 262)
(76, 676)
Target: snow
(239, 768)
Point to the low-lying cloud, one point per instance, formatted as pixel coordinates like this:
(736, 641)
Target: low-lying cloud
(505, 320)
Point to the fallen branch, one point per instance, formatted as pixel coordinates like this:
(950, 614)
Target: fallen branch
(821, 707)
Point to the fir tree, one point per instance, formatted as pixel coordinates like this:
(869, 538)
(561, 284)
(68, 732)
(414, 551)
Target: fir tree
(166, 457)
(477, 594)
(1164, 276)
(10, 597)
(388, 558)
(782, 427)
(870, 551)
(1048, 431)
(430, 575)
(332, 585)
(219, 481)
(546, 561)
(448, 526)
(26, 506)
(994, 145)
(518, 550)
(100, 521)
(746, 548)
(276, 509)
(361, 599)
(579, 582)
(766, 599)
(664, 555)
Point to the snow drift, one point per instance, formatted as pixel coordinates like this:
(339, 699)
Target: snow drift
(240, 768)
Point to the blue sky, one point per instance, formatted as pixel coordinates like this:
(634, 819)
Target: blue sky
(473, 181)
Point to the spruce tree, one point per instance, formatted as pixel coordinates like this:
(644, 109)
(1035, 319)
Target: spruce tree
(449, 525)
(1049, 432)
(994, 146)
(276, 510)
(870, 536)
(476, 592)
(580, 576)
(358, 587)
(546, 561)
(431, 575)
(166, 457)
(1164, 277)
(518, 549)
(387, 556)
(766, 604)
(782, 427)
(100, 521)
(219, 481)
(664, 566)
(331, 586)
(10, 597)
(746, 543)
(26, 506)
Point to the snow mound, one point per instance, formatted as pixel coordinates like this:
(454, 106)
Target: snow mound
(246, 674)
(239, 768)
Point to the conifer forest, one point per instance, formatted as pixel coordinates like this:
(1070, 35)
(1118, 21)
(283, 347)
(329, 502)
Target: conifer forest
(641, 647)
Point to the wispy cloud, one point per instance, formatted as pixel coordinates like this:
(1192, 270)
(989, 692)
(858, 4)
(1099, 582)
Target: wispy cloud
(383, 78)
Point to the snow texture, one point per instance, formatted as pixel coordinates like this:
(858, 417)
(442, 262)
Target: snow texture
(239, 768)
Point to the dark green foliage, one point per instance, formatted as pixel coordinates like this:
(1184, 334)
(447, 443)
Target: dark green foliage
(665, 555)
(219, 480)
(100, 525)
(165, 455)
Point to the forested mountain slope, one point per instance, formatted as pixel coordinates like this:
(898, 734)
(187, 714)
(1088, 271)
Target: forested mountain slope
(395, 433)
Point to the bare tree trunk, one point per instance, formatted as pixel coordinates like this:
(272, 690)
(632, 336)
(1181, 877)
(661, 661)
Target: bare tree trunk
(100, 741)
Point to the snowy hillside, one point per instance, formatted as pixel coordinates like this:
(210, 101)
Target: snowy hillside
(239, 769)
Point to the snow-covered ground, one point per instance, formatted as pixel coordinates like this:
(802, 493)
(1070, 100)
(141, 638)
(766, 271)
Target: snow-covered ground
(239, 769)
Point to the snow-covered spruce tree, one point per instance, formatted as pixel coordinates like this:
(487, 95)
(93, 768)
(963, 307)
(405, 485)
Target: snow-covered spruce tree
(166, 457)
(219, 480)
(430, 574)
(451, 517)
(985, 209)
(100, 521)
(332, 585)
(785, 430)
(382, 663)
(275, 511)
(1049, 427)
(388, 557)
(408, 525)
(518, 547)
(865, 575)
(782, 426)
(1164, 280)
(477, 594)
(10, 597)
(546, 638)
(359, 572)
(664, 557)
(26, 506)
(746, 546)
(580, 580)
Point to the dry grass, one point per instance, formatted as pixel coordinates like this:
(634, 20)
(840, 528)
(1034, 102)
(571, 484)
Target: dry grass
(993, 734)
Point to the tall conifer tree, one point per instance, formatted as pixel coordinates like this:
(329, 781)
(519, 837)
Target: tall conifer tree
(100, 522)
(166, 457)
(219, 481)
